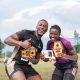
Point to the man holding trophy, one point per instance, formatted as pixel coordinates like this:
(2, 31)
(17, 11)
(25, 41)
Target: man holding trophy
(28, 48)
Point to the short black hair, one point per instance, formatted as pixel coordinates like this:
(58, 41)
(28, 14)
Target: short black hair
(44, 21)
(56, 27)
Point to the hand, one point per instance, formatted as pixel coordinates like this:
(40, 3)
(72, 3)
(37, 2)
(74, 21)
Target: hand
(42, 56)
(25, 44)
(31, 58)
(65, 56)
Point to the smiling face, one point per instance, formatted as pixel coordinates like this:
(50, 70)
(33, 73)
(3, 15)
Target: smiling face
(54, 34)
(42, 27)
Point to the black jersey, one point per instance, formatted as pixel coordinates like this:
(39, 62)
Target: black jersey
(27, 34)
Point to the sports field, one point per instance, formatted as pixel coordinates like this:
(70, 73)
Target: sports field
(44, 68)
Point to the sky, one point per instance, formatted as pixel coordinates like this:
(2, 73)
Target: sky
(16, 15)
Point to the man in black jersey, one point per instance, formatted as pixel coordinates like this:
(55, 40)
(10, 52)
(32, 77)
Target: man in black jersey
(29, 46)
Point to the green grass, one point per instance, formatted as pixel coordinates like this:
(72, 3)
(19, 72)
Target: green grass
(3, 75)
(45, 69)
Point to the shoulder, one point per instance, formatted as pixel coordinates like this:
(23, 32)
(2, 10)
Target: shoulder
(24, 31)
(66, 42)
(49, 43)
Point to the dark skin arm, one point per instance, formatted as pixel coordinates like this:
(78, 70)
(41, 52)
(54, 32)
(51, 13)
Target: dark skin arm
(72, 55)
(13, 40)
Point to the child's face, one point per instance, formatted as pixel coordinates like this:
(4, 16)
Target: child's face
(54, 34)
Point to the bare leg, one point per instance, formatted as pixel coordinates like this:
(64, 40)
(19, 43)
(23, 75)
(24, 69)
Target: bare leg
(37, 77)
(19, 75)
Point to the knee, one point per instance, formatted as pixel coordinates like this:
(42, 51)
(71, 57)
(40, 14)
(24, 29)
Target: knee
(56, 77)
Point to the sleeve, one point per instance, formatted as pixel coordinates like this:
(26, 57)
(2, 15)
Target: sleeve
(21, 34)
(71, 50)
(69, 46)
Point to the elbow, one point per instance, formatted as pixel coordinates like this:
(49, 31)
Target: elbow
(35, 61)
(46, 60)
(5, 41)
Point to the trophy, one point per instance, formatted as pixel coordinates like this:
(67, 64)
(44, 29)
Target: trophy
(27, 53)
(58, 49)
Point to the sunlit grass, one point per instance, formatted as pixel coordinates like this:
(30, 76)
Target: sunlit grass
(3, 75)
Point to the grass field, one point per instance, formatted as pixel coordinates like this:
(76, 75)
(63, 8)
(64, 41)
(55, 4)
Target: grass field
(44, 68)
